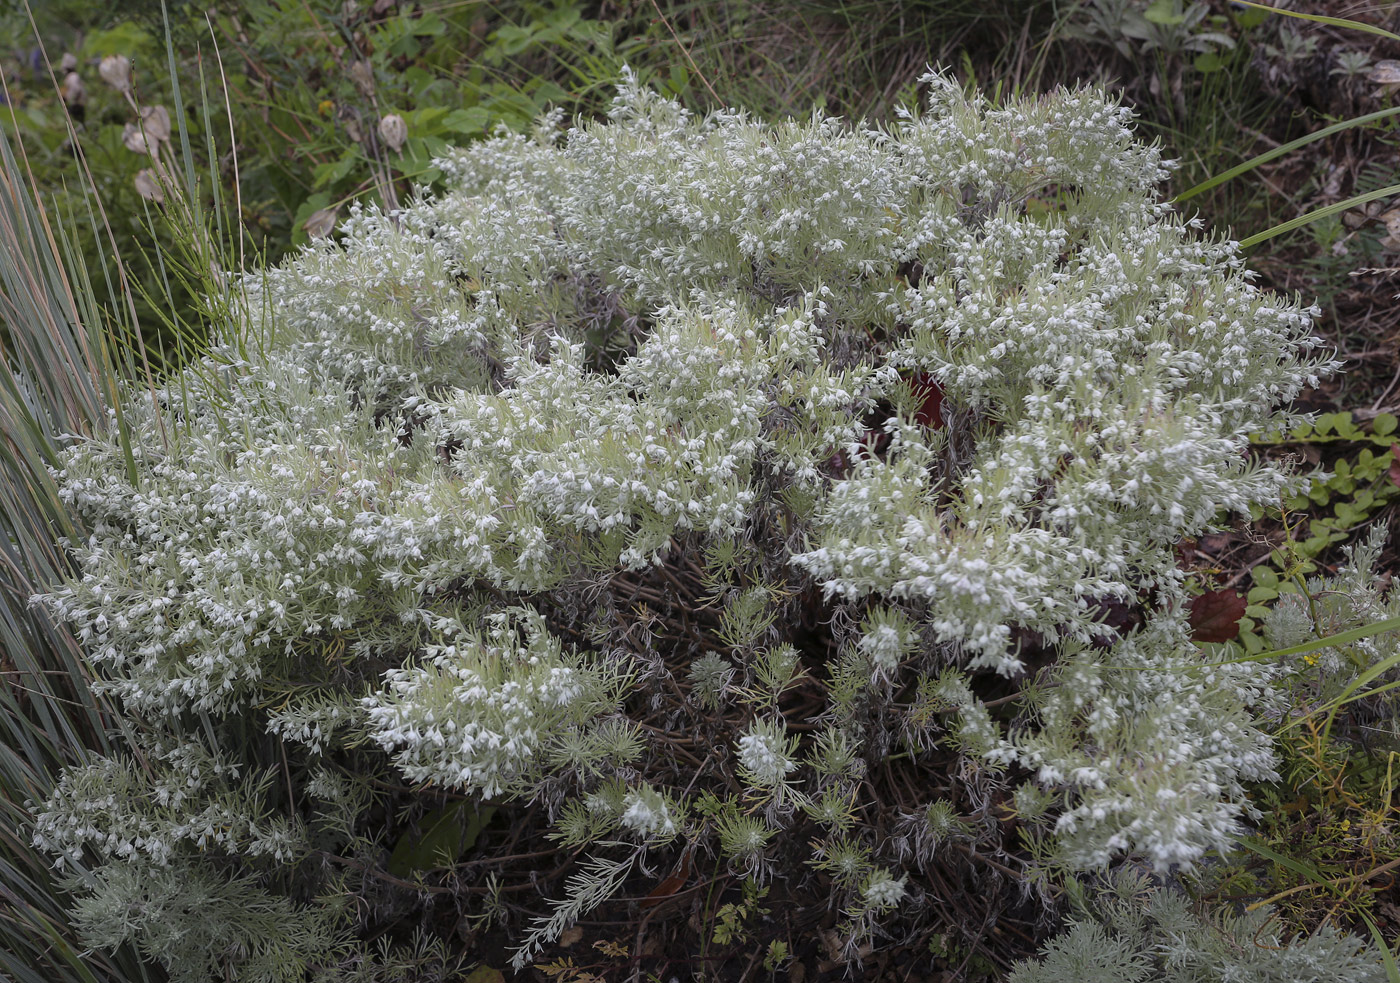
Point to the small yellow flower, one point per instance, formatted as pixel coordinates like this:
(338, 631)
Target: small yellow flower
(325, 107)
(1346, 825)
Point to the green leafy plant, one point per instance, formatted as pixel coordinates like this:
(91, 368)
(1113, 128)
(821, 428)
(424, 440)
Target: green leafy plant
(1361, 482)
(963, 959)
(776, 956)
(1172, 28)
(732, 918)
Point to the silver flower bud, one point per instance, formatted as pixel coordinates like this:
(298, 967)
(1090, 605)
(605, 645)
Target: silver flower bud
(319, 223)
(148, 185)
(138, 142)
(116, 72)
(156, 122)
(74, 92)
(362, 75)
(393, 131)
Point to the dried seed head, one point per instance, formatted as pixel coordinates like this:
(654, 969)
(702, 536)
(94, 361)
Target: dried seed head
(68, 62)
(319, 224)
(74, 92)
(1385, 73)
(352, 130)
(148, 185)
(393, 131)
(138, 142)
(116, 72)
(362, 74)
(156, 122)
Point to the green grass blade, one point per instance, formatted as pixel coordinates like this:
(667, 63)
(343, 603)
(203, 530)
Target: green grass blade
(1353, 693)
(1309, 873)
(1392, 971)
(1318, 213)
(181, 124)
(1354, 25)
(57, 377)
(1280, 151)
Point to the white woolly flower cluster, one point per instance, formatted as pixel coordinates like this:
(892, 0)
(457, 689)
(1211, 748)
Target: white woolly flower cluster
(234, 547)
(180, 798)
(887, 638)
(883, 890)
(765, 754)
(479, 714)
(646, 812)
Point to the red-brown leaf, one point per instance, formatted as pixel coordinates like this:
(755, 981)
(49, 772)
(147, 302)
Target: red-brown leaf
(1215, 615)
(1394, 473)
(930, 396)
(670, 885)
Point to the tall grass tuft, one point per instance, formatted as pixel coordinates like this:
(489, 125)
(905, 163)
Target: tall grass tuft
(67, 347)
(57, 380)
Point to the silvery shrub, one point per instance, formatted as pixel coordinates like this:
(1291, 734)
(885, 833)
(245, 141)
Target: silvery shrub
(747, 500)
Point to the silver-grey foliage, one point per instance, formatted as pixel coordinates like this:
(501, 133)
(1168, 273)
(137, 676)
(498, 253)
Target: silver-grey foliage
(957, 386)
(1129, 932)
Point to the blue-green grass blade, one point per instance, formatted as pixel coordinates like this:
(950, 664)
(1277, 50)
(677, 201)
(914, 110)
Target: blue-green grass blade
(1307, 871)
(1392, 971)
(1354, 25)
(1317, 644)
(1282, 150)
(1319, 213)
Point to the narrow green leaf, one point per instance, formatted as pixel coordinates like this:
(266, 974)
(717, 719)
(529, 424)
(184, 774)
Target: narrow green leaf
(1164, 12)
(1328, 641)
(1312, 874)
(1319, 213)
(1392, 971)
(1207, 62)
(1355, 25)
(445, 835)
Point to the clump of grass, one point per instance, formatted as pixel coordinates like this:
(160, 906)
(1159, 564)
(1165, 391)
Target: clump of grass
(71, 341)
(57, 377)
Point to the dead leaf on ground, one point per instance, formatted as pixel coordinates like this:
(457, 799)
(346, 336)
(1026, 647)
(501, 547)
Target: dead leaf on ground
(670, 885)
(484, 974)
(1215, 615)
